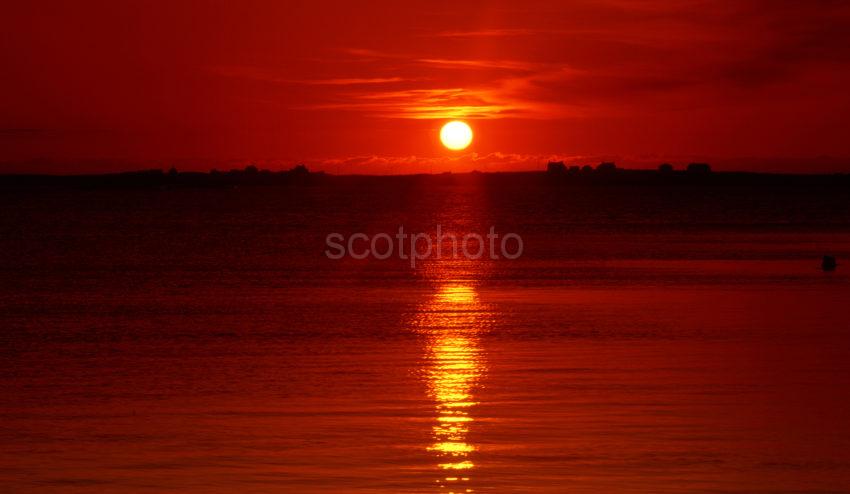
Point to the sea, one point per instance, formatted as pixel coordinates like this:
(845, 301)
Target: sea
(647, 339)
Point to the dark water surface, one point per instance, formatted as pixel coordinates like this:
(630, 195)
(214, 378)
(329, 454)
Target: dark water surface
(648, 340)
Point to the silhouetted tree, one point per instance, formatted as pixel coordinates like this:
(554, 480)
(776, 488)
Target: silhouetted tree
(300, 170)
(556, 168)
(665, 168)
(606, 167)
(699, 168)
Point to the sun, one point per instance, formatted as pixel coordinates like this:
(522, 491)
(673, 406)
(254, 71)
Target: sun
(456, 135)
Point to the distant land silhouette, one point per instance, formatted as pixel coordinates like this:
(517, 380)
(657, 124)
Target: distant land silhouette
(557, 172)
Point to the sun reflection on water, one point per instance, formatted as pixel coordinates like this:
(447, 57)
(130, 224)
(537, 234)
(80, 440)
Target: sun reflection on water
(452, 321)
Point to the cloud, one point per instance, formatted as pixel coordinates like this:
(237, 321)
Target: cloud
(354, 81)
(479, 64)
(504, 98)
(273, 76)
(493, 33)
(608, 59)
(422, 164)
(795, 38)
(500, 89)
(424, 104)
(500, 161)
(496, 88)
(365, 53)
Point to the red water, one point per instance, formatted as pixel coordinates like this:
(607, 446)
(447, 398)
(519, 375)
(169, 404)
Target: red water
(198, 341)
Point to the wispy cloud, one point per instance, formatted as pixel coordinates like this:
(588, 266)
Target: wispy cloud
(478, 64)
(423, 104)
(268, 75)
(350, 81)
(365, 53)
(500, 161)
(491, 33)
(496, 88)
(576, 68)
(440, 62)
(495, 161)
(504, 98)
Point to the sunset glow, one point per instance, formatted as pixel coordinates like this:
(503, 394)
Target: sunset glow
(641, 82)
(425, 247)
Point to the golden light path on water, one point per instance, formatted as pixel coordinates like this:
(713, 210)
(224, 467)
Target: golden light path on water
(452, 321)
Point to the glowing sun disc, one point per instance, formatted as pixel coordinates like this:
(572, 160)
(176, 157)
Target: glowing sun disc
(456, 135)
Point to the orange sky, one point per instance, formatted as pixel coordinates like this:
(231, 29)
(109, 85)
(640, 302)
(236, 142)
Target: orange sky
(365, 86)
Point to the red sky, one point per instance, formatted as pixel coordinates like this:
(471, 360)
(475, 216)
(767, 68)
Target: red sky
(365, 86)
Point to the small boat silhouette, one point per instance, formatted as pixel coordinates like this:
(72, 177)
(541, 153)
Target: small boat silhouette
(829, 263)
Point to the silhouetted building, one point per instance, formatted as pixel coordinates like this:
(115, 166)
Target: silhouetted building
(665, 168)
(829, 263)
(699, 168)
(251, 170)
(556, 168)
